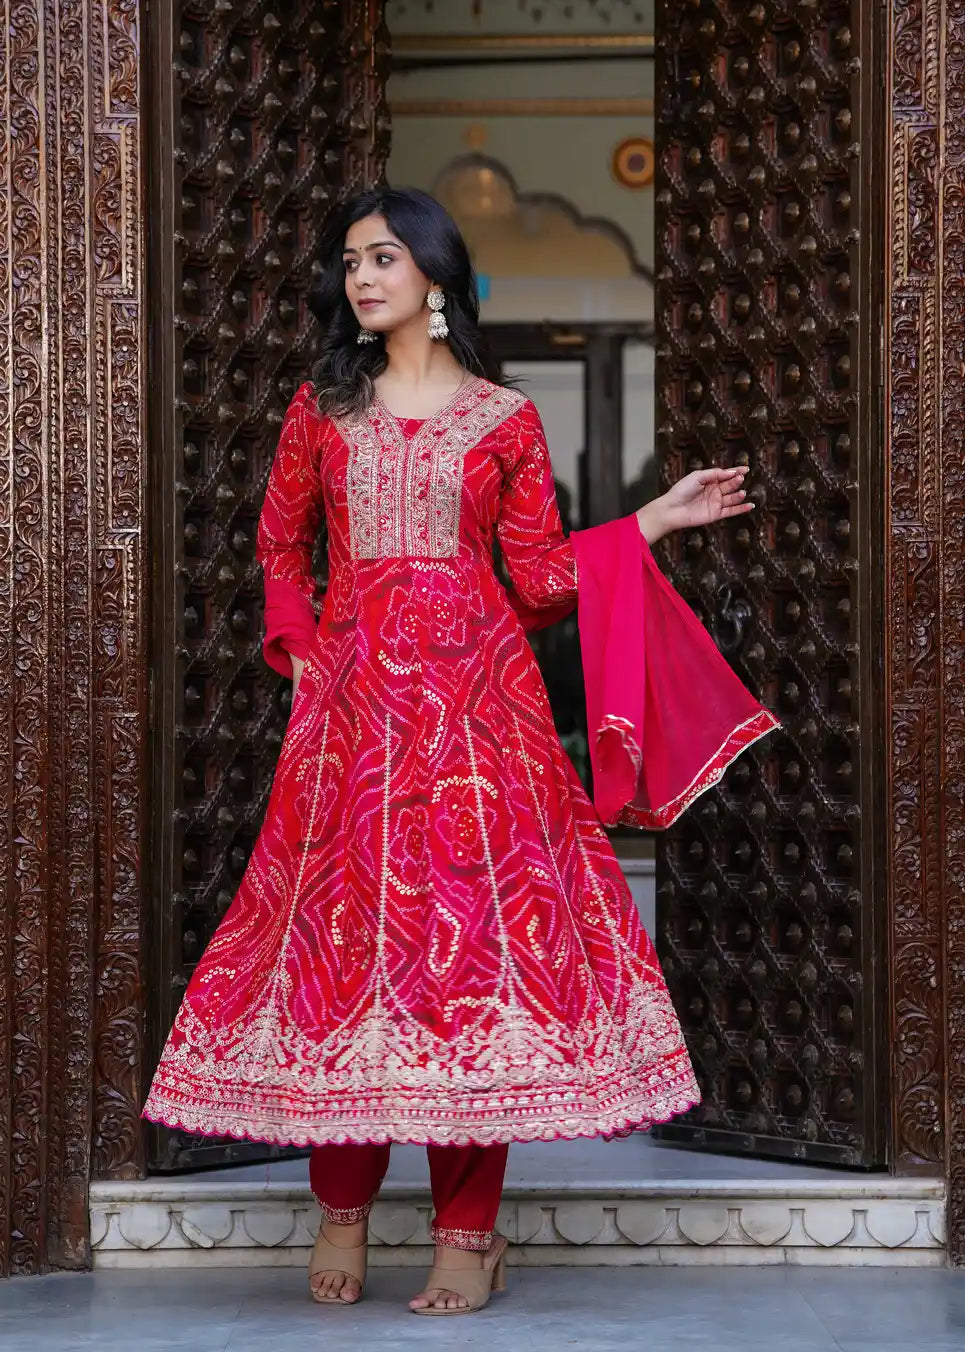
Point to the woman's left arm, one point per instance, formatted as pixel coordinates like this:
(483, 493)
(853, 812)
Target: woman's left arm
(699, 499)
(540, 558)
(537, 554)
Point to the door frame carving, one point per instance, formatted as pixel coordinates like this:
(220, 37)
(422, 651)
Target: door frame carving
(925, 560)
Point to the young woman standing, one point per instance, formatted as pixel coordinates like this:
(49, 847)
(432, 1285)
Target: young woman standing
(433, 941)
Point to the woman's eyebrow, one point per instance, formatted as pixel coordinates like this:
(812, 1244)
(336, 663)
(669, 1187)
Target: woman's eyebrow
(379, 244)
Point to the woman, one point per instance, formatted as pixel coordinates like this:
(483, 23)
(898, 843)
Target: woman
(433, 941)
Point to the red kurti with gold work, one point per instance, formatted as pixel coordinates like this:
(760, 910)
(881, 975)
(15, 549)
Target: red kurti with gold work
(433, 941)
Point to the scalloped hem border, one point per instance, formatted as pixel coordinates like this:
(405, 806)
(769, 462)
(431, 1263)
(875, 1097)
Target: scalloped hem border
(578, 1126)
(743, 736)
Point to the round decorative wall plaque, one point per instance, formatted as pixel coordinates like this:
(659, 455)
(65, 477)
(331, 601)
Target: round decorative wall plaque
(634, 162)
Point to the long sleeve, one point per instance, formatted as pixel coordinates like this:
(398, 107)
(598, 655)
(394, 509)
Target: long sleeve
(539, 557)
(287, 532)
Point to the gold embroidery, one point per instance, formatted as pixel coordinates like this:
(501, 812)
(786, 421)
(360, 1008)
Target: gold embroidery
(381, 972)
(378, 1078)
(473, 1241)
(532, 933)
(439, 704)
(743, 736)
(397, 668)
(461, 782)
(345, 1215)
(338, 937)
(404, 496)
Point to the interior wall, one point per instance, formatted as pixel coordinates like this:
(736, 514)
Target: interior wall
(552, 127)
(520, 150)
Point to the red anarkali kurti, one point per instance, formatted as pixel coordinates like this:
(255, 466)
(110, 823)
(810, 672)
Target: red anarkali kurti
(433, 941)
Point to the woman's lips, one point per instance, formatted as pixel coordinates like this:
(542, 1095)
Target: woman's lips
(368, 304)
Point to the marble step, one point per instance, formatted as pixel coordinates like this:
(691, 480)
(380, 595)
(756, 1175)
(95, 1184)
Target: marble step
(841, 1219)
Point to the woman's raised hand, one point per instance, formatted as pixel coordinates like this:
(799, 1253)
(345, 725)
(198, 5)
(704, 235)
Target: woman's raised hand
(699, 499)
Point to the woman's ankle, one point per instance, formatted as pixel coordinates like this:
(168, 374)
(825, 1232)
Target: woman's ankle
(346, 1235)
(457, 1258)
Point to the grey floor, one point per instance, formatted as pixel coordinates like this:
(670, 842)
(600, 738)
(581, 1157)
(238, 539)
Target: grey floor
(655, 1310)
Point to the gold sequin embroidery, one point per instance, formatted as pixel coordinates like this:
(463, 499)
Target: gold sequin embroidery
(404, 494)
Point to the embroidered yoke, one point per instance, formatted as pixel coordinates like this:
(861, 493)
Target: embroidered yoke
(433, 941)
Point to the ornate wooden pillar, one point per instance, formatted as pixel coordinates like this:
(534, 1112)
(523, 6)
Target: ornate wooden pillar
(72, 652)
(925, 361)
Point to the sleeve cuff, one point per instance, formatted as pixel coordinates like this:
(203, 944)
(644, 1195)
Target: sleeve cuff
(290, 626)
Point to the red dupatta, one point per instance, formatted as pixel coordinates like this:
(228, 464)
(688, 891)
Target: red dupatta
(666, 715)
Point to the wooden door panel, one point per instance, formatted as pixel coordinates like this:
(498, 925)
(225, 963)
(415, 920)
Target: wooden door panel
(769, 306)
(266, 114)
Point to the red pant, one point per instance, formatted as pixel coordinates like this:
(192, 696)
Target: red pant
(467, 1183)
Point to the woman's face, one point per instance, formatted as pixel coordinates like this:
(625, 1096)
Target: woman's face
(383, 284)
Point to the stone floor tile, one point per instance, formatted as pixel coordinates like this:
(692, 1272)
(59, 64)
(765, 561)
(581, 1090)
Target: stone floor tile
(882, 1343)
(592, 1309)
(922, 1304)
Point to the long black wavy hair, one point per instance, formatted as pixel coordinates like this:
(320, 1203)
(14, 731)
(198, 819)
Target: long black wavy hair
(345, 372)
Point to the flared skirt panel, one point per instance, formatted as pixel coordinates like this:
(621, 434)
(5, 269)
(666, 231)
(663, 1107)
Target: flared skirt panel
(433, 941)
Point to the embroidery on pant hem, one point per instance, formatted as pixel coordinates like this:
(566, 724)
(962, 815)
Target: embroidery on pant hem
(345, 1215)
(473, 1241)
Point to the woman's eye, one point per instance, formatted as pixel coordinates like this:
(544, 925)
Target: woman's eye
(383, 258)
(350, 265)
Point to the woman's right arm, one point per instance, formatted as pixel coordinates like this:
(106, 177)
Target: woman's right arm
(287, 532)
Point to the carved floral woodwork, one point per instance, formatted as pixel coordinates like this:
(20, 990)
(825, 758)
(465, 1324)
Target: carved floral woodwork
(925, 551)
(81, 403)
(72, 645)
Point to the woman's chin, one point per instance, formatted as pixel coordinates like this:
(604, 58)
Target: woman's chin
(374, 322)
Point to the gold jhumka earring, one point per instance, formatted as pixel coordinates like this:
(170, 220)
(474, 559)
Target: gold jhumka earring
(438, 328)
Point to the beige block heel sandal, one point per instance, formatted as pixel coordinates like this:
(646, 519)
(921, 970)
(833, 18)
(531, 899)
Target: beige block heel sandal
(474, 1284)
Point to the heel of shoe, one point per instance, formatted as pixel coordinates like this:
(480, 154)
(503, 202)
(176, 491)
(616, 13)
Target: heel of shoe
(499, 1275)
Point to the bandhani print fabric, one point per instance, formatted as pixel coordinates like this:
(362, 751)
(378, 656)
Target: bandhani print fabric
(433, 941)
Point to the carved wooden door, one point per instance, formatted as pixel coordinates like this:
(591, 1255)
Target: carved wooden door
(265, 113)
(769, 251)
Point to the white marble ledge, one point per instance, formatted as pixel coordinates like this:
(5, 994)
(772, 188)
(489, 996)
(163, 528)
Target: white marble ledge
(421, 1258)
(863, 1186)
(637, 1230)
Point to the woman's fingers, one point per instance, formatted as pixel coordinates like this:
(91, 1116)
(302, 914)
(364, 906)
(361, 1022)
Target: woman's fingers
(719, 476)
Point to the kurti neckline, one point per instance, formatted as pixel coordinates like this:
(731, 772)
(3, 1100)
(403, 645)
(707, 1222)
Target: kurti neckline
(462, 391)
